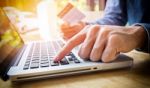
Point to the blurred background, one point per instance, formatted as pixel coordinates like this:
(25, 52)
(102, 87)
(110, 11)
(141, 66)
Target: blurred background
(30, 16)
(29, 5)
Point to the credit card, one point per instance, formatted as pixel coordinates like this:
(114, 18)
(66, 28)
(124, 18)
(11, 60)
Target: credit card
(71, 14)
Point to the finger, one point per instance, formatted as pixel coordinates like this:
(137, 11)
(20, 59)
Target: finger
(110, 51)
(88, 43)
(68, 36)
(69, 46)
(67, 25)
(64, 25)
(71, 28)
(100, 44)
(74, 41)
(67, 30)
(69, 33)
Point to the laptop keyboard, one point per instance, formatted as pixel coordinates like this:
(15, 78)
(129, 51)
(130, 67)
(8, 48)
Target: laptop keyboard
(42, 55)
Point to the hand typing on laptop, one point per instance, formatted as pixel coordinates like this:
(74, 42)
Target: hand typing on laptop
(104, 42)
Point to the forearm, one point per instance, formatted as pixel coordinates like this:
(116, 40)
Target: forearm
(114, 14)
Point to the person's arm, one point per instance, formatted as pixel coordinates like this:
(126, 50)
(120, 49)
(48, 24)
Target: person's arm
(104, 42)
(146, 45)
(114, 14)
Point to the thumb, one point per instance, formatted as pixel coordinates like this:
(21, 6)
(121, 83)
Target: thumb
(64, 25)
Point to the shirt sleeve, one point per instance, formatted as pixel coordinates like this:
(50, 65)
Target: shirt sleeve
(146, 46)
(114, 13)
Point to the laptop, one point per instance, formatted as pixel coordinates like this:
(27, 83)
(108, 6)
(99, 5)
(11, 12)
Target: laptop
(34, 60)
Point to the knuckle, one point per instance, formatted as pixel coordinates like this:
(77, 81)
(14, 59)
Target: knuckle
(93, 30)
(113, 39)
(95, 27)
(104, 31)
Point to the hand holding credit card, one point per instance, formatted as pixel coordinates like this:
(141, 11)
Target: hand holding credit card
(70, 14)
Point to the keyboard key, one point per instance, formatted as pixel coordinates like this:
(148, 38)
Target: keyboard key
(69, 58)
(44, 62)
(44, 59)
(27, 61)
(53, 63)
(28, 58)
(30, 54)
(51, 57)
(45, 65)
(42, 55)
(34, 65)
(36, 56)
(76, 61)
(72, 55)
(51, 54)
(25, 67)
(35, 61)
(64, 62)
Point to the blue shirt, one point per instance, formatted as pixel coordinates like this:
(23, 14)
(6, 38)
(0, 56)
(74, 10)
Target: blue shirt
(131, 12)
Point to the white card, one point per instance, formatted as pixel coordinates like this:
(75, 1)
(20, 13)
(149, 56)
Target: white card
(70, 14)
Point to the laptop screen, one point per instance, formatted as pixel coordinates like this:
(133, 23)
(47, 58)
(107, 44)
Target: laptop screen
(10, 41)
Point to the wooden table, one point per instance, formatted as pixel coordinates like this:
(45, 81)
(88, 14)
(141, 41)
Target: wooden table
(136, 77)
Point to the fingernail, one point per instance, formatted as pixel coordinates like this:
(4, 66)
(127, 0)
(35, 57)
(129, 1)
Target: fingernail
(56, 59)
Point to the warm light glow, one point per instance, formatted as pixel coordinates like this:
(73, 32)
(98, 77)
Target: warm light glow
(47, 19)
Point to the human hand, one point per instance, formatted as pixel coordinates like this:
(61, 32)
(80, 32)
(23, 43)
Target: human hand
(104, 42)
(68, 31)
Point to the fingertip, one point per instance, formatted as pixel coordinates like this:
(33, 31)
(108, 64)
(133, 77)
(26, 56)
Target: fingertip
(60, 55)
(105, 60)
(108, 56)
(56, 59)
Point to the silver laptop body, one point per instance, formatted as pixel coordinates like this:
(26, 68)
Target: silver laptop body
(22, 62)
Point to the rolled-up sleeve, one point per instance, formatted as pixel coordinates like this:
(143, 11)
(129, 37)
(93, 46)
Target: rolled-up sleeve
(114, 14)
(146, 46)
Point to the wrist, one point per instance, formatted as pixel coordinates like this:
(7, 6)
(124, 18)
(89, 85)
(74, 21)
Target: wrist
(140, 36)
